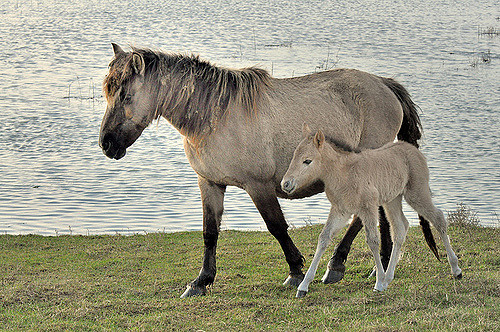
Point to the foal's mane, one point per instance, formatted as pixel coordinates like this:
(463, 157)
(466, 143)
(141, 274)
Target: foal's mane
(192, 94)
(340, 146)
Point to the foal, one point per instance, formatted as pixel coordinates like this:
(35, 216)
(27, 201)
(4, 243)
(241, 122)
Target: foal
(359, 182)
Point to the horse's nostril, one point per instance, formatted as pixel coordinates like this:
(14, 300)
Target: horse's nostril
(287, 185)
(105, 145)
(106, 142)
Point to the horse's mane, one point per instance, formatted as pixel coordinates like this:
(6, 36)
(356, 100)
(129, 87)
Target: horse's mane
(193, 94)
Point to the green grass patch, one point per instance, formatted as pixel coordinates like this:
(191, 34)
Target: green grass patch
(134, 282)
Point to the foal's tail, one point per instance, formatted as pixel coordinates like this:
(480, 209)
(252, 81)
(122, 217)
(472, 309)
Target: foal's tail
(411, 132)
(426, 229)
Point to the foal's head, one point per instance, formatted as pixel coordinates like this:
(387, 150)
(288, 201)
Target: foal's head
(306, 166)
(131, 103)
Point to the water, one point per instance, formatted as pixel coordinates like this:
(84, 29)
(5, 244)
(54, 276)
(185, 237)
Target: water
(54, 54)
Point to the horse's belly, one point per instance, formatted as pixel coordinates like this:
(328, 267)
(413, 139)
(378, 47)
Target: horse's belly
(232, 167)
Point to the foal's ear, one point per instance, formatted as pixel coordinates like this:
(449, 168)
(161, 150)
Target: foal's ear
(306, 131)
(319, 139)
(138, 64)
(117, 49)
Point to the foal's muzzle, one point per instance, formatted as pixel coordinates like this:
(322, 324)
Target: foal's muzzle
(288, 186)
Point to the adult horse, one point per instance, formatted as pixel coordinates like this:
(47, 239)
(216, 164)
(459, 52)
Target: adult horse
(241, 127)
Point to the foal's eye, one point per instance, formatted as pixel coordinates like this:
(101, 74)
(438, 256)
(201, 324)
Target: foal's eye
(307, 161)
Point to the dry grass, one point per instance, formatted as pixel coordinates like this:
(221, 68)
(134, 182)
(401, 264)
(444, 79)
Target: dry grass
(463, 216)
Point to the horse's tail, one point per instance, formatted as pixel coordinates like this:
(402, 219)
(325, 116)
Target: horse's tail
(411, 131)
(411, 128)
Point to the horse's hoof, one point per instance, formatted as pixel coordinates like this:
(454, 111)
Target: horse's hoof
(301, 294)
(294, 280)
(193, 291)
(334, 275)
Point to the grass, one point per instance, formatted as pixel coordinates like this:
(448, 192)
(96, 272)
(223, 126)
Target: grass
(118, 282)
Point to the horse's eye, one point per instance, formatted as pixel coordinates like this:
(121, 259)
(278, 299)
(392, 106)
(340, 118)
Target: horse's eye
(307, 161)
(128, 98)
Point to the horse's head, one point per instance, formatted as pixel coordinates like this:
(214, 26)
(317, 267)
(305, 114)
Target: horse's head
(131, 104)
(305, 168)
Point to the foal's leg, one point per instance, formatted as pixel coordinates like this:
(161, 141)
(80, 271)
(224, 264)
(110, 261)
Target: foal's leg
(264, 197)
(385, 240)
(369, 217)
(400, 226)
(336, 267)
(334, 224)
(422, 203)
(212, 197)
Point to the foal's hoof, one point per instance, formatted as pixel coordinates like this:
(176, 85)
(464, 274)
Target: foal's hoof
(300, 294)
(380, 287)
(334, 275)
(374, 273)
(459, 276)
(294, 280)
(194, 291)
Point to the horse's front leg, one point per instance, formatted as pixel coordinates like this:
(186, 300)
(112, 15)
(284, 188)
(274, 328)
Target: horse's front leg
(212, 197)
(264, 198)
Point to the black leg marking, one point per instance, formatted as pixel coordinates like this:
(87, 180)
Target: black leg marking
(212, 198)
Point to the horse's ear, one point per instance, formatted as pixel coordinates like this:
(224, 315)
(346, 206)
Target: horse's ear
(306, 131)
(138, 64)
(117, 49)
(319, 139)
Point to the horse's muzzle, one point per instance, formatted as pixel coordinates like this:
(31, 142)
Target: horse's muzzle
(111, 148)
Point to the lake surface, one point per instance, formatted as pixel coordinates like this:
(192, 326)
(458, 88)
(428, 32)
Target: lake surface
(54, 179)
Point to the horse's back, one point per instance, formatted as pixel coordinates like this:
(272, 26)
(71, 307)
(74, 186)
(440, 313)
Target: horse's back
(355, 106)
(351, 106)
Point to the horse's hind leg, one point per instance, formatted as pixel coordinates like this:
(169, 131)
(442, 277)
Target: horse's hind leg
(336, 267)
(212, 196)
(264, 198)
(385, 238)
(334, 224)
(422, 203)
(400, 226)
